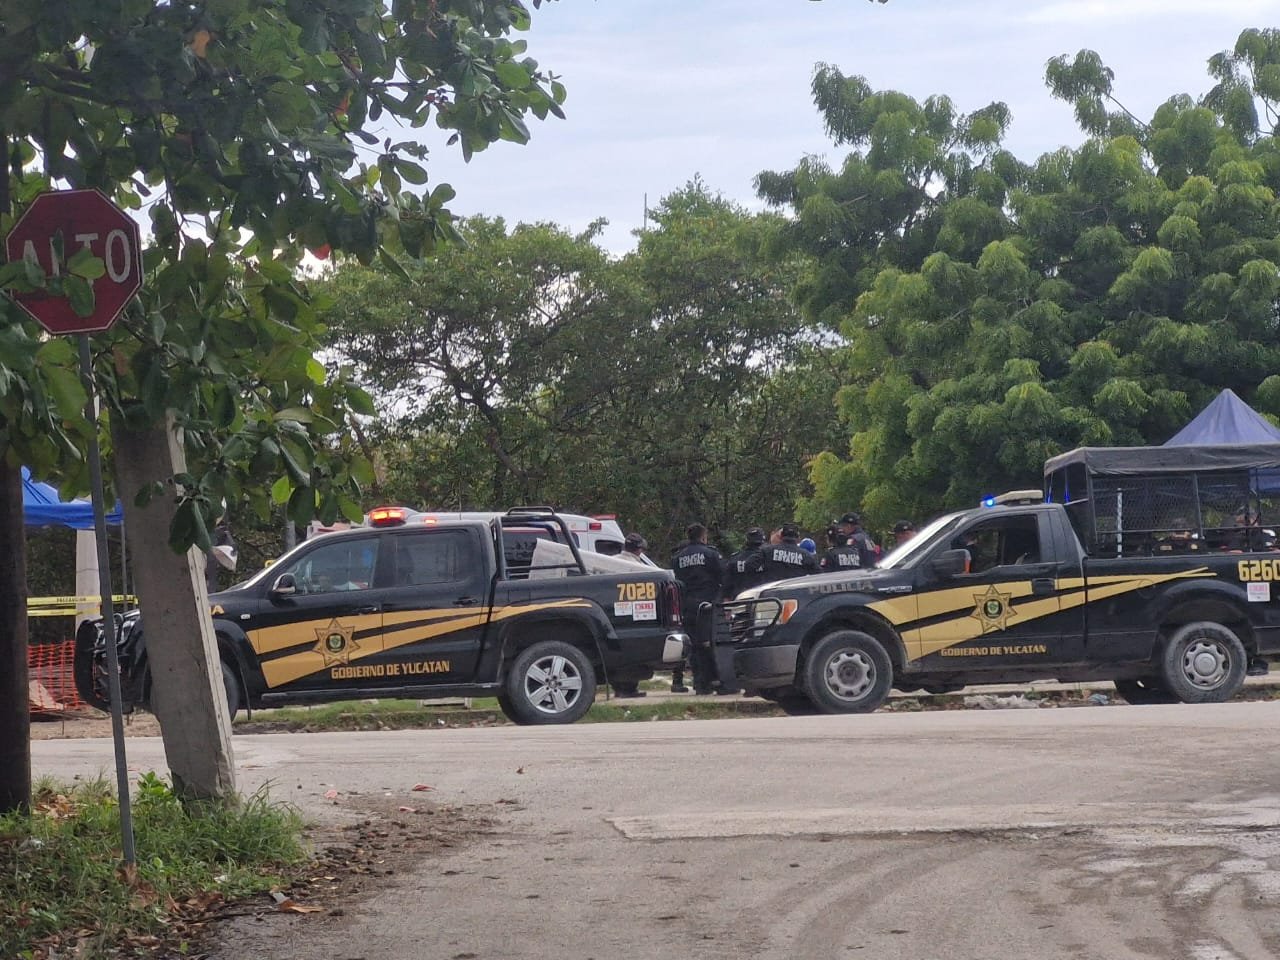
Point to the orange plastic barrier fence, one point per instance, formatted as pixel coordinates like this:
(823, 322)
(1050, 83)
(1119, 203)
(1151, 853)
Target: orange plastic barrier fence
(53, 686)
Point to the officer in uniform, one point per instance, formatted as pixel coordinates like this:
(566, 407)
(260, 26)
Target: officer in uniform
(700, 570)
(786, 559)
(851, 527)
(745, 569)
(840, 555)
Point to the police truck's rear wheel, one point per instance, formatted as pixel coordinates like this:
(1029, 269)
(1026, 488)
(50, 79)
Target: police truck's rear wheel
(549, 682)
(1204, 663)
(848, 671)
(231, 685)
(1144, 690)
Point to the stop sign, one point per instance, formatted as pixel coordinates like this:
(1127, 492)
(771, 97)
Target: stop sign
(80, 218)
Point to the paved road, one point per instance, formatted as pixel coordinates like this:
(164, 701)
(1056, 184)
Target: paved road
(1107, 832)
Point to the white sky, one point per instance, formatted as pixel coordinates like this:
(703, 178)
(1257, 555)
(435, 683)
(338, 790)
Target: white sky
(661, 90)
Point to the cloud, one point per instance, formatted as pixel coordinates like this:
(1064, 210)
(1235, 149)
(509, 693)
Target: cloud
(1096, 11)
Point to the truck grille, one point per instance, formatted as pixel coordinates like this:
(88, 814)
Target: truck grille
(745, 620)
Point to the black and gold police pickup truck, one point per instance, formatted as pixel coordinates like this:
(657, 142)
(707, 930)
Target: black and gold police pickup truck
(400, 607)
(1155, 570)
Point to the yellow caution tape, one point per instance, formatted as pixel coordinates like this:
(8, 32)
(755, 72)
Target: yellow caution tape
(71, 601)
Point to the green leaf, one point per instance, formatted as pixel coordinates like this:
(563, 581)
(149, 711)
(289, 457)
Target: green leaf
(224, 406)
(302, 506)
(360, 401)
(84, 264)
(297, 460)
(67, 392)
(280, 490)
(394, 265)
(512, 75)
(296, 414)
(80, 294)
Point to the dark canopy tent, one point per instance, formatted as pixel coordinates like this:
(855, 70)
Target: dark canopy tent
(42, 507)
(1141, 461)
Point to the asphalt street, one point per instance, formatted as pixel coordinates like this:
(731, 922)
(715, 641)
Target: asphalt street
(1093, 832)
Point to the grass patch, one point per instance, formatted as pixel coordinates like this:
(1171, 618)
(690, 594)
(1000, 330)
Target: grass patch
(63, 891)
(629, 711)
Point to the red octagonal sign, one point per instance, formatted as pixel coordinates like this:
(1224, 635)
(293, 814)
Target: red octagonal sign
(83, 218)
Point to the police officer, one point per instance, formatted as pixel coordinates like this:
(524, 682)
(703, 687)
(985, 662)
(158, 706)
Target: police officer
(700, 570)
(745, 569)
(786, 559)
(840, 554)
(851, 526)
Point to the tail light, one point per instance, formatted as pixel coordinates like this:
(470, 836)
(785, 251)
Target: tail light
(672, 596)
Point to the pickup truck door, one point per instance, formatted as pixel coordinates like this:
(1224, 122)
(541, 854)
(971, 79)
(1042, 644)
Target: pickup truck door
(1004, 612)
(332, 620)
(437, 608)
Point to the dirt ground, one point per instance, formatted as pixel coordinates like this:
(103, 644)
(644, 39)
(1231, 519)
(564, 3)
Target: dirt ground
(92, 723)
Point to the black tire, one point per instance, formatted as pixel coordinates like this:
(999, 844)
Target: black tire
(848, 671)
(796, 705)
(1203, 662)
(231, 684)
(508, 711)
(1140, 691)
(549, 682)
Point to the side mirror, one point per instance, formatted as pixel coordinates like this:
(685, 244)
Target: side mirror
(950, 563)
(285, 586)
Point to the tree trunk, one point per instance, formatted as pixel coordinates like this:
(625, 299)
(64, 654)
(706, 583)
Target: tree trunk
(187, 695)
(15, 715)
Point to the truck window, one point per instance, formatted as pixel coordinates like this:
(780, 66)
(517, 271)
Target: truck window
(436, 557)
(518, 544)
(336, 566)
(1001, 542)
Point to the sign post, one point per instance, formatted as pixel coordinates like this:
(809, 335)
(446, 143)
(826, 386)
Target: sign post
(53, 228)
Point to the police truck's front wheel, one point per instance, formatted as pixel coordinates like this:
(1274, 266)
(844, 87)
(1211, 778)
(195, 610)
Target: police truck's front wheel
(549, 682)
(848, 671)
(1204, 662)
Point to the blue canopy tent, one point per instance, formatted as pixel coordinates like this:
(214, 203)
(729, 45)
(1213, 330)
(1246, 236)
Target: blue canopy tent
(42, 507)
(1227, 419)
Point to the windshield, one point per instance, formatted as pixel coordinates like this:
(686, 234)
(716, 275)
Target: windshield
(914, 549)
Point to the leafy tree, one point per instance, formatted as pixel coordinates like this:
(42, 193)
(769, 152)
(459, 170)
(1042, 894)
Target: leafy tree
(240, 130)
(674, 384)
(718, 415)
(1007, 311)
(507, 342)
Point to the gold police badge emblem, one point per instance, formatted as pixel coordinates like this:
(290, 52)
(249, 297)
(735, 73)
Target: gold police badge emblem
(993, 609)
(336, 643)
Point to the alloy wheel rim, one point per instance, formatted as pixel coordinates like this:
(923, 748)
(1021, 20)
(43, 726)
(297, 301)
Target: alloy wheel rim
(552, 684)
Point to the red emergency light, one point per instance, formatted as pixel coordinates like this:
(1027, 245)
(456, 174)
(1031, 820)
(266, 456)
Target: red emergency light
(387, 516)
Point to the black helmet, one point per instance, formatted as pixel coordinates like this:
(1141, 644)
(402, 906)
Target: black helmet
(755, 537)
(636, 542)
(851, 519)
(790, 531)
